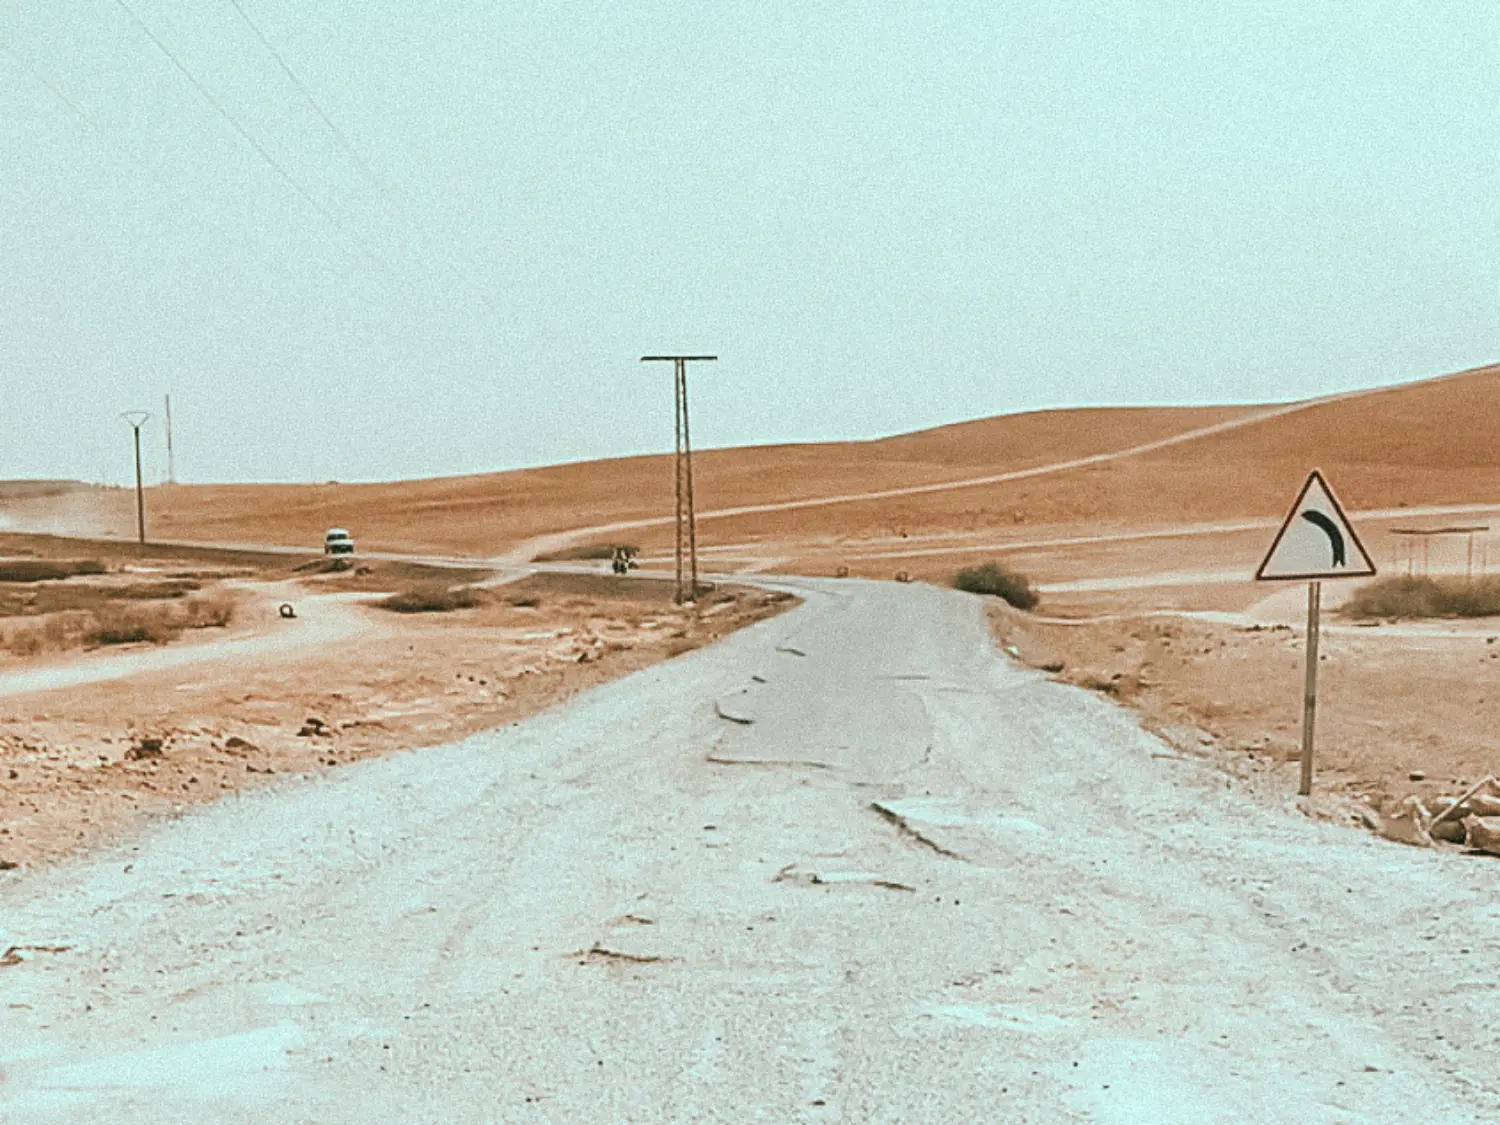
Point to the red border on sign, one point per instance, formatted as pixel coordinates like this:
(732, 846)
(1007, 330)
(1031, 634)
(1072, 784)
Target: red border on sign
(1315, 475)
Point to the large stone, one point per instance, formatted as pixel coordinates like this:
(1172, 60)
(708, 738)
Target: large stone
(1484, 833)
(1406, 823)
(1482, 804)
(1450, 831)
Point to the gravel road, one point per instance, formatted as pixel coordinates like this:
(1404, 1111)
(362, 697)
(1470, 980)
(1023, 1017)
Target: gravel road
(848, 865)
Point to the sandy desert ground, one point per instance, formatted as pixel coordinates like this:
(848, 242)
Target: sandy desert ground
(1119, 516)
(742, 847)
(96, 743)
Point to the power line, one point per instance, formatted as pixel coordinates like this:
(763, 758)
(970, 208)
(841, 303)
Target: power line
(208, 96)
(457, 272)
(78, 110)
(343, 140)
(218, 107)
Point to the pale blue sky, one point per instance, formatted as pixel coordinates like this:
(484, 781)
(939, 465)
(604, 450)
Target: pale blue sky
(882, 216)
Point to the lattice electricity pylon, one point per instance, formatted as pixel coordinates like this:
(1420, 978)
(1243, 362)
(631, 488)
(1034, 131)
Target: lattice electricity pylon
(685, 549)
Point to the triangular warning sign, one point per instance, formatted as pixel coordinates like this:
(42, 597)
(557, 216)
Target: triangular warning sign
(1317, 540)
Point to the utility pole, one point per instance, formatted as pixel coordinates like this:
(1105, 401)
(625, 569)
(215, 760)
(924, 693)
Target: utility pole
(171, 461)
(686, 547)
(137, 419)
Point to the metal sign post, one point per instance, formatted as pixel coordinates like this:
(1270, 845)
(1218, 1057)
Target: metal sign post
(1310, 686)
(1316, 542)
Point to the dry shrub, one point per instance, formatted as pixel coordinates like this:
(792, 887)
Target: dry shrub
(47, 570)
(118, 625)
(24, 641)
(432, 597)
(212, 612)
(153, 591)
(998, 581)
(55, 633)
(586, 553)
(334, 565)
(123, 625)
(1412, 596)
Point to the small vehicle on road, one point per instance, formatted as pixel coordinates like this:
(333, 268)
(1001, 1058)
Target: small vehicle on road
(338, 541)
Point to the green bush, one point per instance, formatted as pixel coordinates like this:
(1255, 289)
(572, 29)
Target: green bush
(1000, 582)
(433, 597)
(1411, 596)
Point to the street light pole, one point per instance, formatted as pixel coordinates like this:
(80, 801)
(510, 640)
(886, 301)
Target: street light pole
(686, 547)
(137, 419)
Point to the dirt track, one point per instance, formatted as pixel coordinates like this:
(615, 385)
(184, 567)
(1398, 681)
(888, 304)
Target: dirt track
(632, 908)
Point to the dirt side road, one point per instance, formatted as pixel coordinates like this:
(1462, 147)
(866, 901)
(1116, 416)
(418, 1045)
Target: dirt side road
(920, 883)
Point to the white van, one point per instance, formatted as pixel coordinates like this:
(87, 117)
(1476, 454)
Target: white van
(337, 541)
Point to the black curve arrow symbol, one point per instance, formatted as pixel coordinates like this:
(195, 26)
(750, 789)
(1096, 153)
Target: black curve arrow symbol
(1331, 529)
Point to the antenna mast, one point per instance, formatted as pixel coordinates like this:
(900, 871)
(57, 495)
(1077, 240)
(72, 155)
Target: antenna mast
(171, 462)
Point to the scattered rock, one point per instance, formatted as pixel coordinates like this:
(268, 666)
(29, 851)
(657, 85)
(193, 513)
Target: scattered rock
(1481, 805)
(237, 745)
(1407, 824)
(1450, 831)
(7, 865)
(1483, 833)
(143, 749)
(314, 726)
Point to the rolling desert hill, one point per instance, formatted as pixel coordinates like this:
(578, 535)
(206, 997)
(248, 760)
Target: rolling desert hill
(1428, 442)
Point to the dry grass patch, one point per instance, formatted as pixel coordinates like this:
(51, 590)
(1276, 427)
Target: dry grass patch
(118, 624)
(47, 570)
(433, 597)
(1409, 596)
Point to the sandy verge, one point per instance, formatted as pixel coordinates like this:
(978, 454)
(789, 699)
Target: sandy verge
(82, 764)
(1402, 709)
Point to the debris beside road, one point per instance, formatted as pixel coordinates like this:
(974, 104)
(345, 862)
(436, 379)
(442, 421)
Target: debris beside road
(1402, 727)
(1471, 820)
